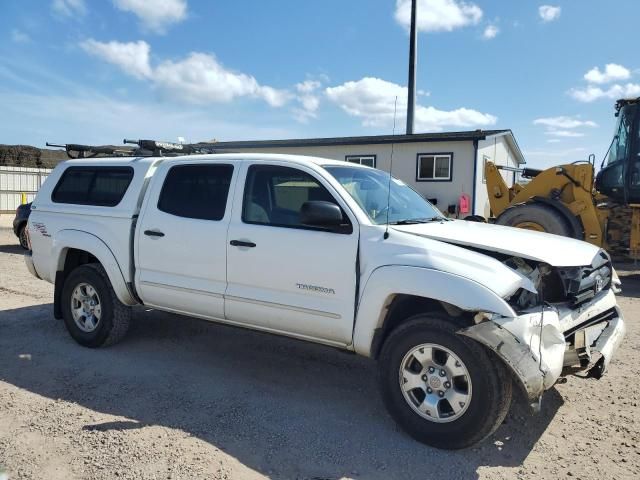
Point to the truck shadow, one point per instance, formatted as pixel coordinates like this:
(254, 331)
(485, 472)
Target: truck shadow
(284, 408)
(12, 248)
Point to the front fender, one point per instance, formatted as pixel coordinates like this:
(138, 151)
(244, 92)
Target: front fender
(66, 239)
(387, 281)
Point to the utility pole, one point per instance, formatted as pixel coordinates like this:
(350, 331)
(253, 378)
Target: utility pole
(413, 40)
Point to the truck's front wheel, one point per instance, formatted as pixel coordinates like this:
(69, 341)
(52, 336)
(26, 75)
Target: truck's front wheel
(92, 312)
(445, 390)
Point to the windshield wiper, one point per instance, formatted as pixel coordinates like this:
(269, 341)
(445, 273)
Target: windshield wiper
(413, 221)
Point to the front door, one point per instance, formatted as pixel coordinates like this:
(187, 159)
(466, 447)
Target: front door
(181, 238)
(284, 276)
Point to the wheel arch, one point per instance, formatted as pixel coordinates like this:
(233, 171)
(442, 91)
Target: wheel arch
(403, 307)
(384, 305)
(19, 229)
(21, 224)
(72, 248)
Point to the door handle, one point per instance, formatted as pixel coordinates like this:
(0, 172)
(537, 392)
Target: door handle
(240, 243)
(153, 233)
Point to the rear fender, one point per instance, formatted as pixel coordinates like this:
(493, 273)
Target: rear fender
(68, 239)
(388, 281)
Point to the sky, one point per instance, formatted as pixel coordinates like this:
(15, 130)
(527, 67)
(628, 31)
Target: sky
(81, 71)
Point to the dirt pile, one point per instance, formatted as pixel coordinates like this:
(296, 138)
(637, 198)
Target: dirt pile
(28, 156)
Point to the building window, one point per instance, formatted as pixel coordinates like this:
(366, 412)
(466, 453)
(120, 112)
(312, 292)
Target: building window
(367, 160)
(434, 167)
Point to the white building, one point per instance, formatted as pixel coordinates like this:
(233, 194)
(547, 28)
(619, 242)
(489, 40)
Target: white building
(440, 166)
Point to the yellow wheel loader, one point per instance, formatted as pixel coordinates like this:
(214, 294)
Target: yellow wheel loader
(570, 200)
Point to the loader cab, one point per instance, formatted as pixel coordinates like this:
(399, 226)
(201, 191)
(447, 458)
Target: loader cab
(620, 176)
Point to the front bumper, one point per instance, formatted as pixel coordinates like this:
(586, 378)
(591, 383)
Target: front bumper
(537, 346)
(596, 355)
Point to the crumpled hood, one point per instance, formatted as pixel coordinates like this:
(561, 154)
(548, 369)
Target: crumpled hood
(543, 247)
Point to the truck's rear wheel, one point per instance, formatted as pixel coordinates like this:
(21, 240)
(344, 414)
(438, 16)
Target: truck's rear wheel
(537, 217)
(92, 312)
(445, 390)
(23, 238)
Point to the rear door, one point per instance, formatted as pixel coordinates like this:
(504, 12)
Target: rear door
(181, 252)
(284, 276)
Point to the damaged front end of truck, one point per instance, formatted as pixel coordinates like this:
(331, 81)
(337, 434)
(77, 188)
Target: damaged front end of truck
(567, 322)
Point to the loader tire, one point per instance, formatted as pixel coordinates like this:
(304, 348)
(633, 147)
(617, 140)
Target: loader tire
(537, 217)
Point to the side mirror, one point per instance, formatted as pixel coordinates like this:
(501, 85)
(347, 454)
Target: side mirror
(321, 214)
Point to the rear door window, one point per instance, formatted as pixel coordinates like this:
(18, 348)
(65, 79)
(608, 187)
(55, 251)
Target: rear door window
(196, 191)
(100, 186)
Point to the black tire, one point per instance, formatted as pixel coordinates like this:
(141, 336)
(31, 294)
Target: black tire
(491, 383)
(549, 219)
(22, 237)
(475, 218)
(115, 317)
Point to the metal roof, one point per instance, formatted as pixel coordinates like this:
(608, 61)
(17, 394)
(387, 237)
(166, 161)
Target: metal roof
(366, 140)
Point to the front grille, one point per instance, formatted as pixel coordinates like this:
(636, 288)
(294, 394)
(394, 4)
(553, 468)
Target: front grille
(581, 284)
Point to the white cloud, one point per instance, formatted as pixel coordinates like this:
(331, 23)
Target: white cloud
(59, 108)
(438, 15)
(69, 8)
(554, 156)
(491, 31)
(104, 120)
(132, 57)
(612, 73)
(310, 103)
(549, 13)
(564, 122)
(554, 140)
(18, 36)
(563, 126)
(308, 100)
(614, 92)
(201, 79)
(155, 15)
(308, 86)
(597, 78)
(372, 100)
(198, 79)
(564, 133)
(555, 153)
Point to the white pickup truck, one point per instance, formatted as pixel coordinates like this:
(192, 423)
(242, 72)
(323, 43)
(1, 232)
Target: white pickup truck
(454, 312)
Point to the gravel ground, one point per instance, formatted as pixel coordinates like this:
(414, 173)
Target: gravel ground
(182, 398)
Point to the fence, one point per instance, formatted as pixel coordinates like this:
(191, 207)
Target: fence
(19, 185)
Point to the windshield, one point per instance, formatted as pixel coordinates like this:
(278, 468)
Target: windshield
(369, 188)
(621, 139)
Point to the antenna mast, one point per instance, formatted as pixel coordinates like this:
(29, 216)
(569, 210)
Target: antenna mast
(386, 231)
(413, 40)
